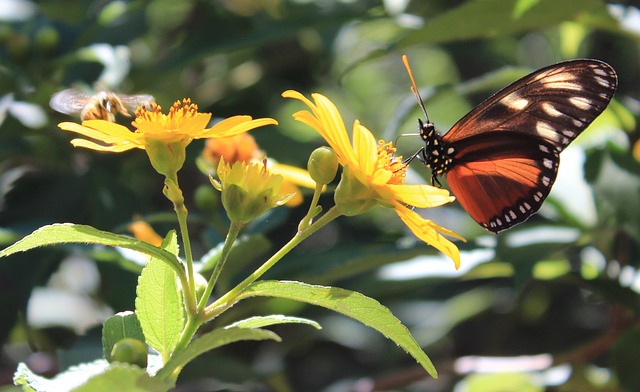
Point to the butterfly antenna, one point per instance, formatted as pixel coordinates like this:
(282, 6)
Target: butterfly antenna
(414, 87)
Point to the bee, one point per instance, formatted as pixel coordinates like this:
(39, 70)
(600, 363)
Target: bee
(103, 105)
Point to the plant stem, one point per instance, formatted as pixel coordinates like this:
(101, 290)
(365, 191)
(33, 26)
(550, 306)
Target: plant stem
(232, 234)
(227, 300)
(173, 192)
(313, 209)
(181, 212)
(190, 329)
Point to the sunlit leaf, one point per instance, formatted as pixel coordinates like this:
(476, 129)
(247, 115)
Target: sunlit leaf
(66, 233)
(353, 304)
(212, 340)
(265, 321)
(159, 302)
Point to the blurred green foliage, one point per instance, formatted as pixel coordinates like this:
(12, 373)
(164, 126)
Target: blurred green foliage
(565, 283)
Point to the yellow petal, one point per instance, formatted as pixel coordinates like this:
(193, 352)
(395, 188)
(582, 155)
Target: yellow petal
(98, 134)
(100, 147)
(428, 231)
(294, 174)
(235, 125)
(336, 133)
(326, 120)
(365, 148)
(421, 196)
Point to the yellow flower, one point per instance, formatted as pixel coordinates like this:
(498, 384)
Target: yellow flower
(243, 148)
(249, 190)
(183, 123)
(164, 136)
(372, 175)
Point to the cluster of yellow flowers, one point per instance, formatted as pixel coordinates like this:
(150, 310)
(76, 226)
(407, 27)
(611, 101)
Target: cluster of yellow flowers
(371, 172)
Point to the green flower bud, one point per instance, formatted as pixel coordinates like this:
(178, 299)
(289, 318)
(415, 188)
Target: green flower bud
(131, 351)
(166, 158)
(323, 165)
(249, 190)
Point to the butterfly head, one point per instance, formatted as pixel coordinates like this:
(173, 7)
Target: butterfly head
(436, 154)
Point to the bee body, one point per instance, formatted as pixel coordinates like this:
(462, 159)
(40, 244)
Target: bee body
(103, 105)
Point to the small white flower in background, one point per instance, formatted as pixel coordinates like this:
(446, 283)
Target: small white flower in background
(116, 61)
(67, 299)
(16, 10)
(29, 114)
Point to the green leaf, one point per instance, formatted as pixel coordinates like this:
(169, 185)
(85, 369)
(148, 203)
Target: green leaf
(65, 381)
(212, 340)
(123, 377)
(65, 233)
(481, 19)
(97, 376)
(350, 303)
(264, 321)
(159, 302)
(117, 327)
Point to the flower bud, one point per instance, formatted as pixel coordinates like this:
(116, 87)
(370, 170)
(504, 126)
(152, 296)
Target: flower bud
(323, 165)
(249, 190)
(131, 351)
(166, 158)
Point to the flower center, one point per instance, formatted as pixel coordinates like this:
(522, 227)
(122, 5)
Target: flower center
(388, 161)
(178, 114)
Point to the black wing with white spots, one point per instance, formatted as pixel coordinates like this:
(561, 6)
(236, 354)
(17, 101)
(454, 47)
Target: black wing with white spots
(501, 159)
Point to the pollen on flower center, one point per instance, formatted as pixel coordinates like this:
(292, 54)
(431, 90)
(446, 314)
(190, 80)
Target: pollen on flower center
(179, 113)
(388, 161)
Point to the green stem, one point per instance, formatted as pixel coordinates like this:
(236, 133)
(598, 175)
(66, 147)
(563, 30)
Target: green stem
(190, 329)
(173, 192)
(227, 300)
(181, 212)
(232, 234)
(313, 209)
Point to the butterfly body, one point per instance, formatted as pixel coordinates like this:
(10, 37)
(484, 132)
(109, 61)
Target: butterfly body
(502, 158)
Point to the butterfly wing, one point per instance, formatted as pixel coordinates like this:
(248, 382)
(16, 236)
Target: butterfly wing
(555, 103)
(500, 180)
(506, 150)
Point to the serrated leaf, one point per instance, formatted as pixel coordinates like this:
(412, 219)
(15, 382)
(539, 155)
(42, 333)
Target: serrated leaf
(159, 302)
(350, 303)
(265, 321)
(212, 340)
(65, 233)
(117, 327)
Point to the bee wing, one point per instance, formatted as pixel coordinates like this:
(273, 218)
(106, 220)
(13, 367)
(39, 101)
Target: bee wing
(131, 102)
(69, 101)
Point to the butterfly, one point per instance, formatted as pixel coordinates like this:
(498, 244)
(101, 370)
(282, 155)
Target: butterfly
(501, 159)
